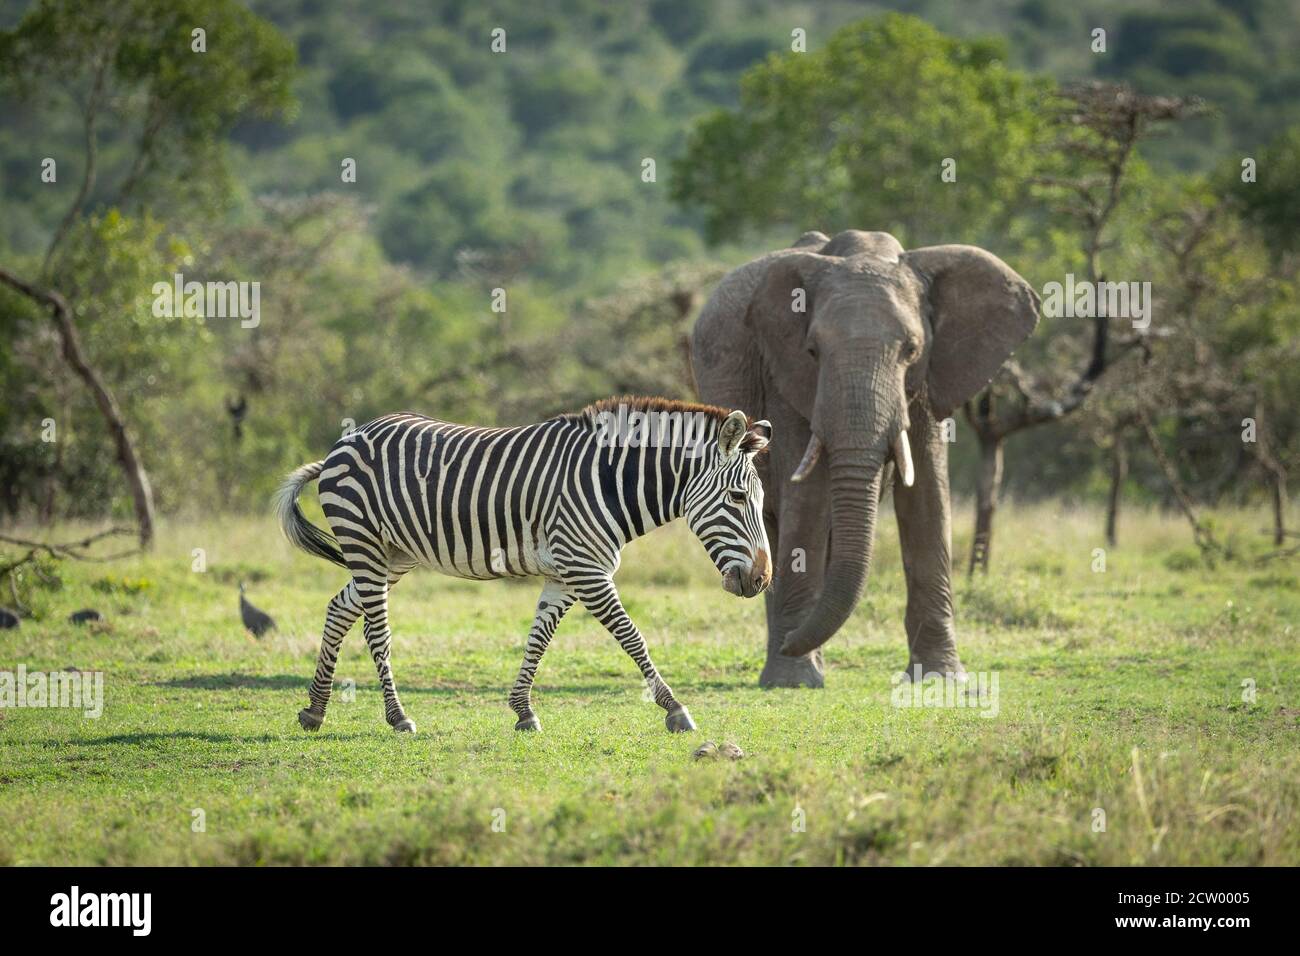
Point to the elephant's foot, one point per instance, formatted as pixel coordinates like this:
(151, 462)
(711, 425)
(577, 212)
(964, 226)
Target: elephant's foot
(941, 663)
(782, 671)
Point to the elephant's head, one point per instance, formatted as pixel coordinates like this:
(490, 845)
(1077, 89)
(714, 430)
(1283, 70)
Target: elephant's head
(849, 342)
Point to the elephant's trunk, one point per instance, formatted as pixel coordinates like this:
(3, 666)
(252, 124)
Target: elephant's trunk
(855, 493)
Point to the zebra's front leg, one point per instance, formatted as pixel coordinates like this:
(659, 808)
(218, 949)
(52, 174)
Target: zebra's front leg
(343, 611)
(555, 600)
(601, 599)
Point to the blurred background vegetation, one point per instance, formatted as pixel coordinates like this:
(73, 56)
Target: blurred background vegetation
(523, 171)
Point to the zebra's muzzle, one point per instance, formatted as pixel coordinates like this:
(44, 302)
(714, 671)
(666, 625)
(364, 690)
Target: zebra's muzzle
(747, 582)
(731, 581)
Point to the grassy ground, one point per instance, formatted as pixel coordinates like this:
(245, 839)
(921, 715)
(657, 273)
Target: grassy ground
(1120, 702)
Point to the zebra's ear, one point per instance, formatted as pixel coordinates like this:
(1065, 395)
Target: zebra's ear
(732, 433)
(756, 439)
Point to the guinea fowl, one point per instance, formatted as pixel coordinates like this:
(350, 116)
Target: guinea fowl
(256, 620)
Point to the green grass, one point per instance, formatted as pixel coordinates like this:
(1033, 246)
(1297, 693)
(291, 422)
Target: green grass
(1119, 692)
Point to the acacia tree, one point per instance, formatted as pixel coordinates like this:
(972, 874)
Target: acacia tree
(1210, 406)
(1270, 204)
(1223, 385)
(163, 84)
(1084, 182)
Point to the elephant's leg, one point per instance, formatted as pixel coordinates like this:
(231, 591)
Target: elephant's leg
(798, 529)
(925, 535)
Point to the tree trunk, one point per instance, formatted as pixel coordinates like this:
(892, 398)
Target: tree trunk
(1118, 472)
(1279, 507)
(986, 501)
(1275, 471)
(132, 468)
(52, 484)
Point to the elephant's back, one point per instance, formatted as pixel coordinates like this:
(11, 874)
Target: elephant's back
(723, 314)
(724, 355)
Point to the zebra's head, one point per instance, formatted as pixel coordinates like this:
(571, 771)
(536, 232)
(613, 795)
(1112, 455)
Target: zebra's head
(724, 506)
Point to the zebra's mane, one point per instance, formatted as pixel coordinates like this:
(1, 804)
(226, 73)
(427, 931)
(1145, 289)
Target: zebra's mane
(646, 403)
(590, 416)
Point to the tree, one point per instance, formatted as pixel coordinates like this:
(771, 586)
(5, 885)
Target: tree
(1225, 383)
(1084, 182)
(1270, 199)
(146, 66)
(856, 135)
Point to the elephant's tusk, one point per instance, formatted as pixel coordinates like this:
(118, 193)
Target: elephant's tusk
(810, 456)
(903, 458)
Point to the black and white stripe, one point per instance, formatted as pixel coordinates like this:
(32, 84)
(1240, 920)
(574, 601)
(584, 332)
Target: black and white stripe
(559, 499)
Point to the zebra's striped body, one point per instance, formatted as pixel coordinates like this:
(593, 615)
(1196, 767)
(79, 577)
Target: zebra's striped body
(559, 499)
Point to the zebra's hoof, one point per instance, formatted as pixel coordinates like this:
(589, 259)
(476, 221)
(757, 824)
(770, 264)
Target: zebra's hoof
(528, 723)
(679, 720)
(310, 721)
(404, 726)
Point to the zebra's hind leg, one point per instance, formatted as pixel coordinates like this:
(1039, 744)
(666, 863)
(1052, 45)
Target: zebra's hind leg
(555, 600)
(343, 610)
(373, 591)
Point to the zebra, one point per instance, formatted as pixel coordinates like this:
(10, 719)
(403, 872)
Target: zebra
(558, 500)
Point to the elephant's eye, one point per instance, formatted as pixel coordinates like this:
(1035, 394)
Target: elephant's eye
(910, 351)
(812, 351)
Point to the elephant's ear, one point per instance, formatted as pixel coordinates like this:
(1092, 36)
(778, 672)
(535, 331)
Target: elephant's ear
(778, 317)
(980, 310)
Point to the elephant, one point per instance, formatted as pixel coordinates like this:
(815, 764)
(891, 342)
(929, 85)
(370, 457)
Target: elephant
(857, 351)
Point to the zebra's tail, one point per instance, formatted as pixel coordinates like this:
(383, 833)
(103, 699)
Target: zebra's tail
(294, 523)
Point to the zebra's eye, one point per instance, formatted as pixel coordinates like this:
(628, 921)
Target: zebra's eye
(736, 497)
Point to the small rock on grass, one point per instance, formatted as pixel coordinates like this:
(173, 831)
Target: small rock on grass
(712, 751)
(706, 749)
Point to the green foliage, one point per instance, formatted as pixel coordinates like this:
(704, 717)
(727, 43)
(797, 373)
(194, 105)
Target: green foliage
(1272, 202)
(128, 74)
(129, 64)
(855, 133)
(110, 584)
(109, 265)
